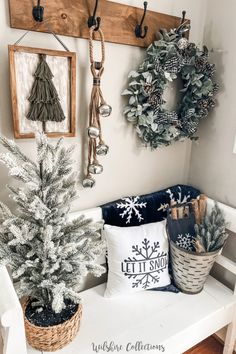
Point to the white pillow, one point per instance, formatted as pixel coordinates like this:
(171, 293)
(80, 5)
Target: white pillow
(137, 258)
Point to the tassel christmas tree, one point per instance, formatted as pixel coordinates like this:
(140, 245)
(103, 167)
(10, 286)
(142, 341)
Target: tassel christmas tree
(44, 100)
(47, 253)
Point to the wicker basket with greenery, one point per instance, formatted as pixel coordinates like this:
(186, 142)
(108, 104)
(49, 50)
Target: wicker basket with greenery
(47, 254)
(190, 268)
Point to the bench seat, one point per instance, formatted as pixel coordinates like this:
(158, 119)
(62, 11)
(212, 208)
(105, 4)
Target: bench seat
(176, 321)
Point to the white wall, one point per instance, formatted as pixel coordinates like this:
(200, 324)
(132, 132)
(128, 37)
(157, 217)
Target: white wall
(129, 168)
(213, 164)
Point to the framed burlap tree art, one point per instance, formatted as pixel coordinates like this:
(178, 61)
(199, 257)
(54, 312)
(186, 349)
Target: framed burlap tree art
(42, 91)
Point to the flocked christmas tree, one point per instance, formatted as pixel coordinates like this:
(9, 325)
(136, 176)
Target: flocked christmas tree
(44, 100)
(211, 234)
(48, 254)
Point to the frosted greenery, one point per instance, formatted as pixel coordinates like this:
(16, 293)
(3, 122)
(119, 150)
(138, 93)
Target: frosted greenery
(211, 234)
(48, 254)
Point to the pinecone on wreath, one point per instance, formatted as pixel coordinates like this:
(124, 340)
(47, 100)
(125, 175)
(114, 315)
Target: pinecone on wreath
(156, 64)
(216, 88)
(203, 112)
(200, 63)
(167, 118)
(210, 69)
(154, 100)
(203, 104)
(211, 102)
(207, 103)
(190, 127)
(191, 50)
(148, 89)
(172, 65)
(188, 115)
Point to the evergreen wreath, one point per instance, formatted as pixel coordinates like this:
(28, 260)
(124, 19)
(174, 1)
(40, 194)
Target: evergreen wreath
(170, 57)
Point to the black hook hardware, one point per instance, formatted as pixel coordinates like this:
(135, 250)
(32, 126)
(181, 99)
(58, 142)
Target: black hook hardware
(138, 29)
(183, 17)
(93, 21)
(38, 12)
(184, 25)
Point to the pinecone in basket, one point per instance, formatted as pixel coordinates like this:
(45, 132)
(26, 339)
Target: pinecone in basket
(172, 65)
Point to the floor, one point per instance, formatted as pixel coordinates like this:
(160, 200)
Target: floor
(208, 346)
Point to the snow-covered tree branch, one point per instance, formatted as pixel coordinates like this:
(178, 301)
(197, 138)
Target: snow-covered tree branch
(48, 254)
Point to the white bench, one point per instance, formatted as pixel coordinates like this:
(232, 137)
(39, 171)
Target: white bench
(11, 319)
(175, 322)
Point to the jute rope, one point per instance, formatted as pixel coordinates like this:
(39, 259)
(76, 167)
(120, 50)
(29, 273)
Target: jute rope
(97, 68)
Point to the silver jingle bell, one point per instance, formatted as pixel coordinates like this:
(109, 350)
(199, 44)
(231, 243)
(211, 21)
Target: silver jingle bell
(182, 43)
(88, 182)
(95, 169)
(102, 150)
(93, 132)
(104, 110)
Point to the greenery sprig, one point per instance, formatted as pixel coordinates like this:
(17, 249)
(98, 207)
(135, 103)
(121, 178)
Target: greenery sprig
(211, 234)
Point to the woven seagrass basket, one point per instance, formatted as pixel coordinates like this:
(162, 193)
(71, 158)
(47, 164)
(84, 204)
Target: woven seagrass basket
(52, 338)
(190, 269)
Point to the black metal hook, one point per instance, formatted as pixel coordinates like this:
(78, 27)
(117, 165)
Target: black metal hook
(38, 12)
(138, 29)
(183, 17)
(92, 20)
(184, 25)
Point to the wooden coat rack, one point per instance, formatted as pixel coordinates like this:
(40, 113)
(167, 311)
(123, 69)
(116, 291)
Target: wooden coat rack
(69, 18)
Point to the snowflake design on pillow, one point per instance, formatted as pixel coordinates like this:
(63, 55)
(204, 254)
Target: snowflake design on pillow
(185, 241)
(145, 266)
(131, 206)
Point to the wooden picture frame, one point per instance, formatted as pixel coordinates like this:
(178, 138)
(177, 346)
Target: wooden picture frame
(23, 62)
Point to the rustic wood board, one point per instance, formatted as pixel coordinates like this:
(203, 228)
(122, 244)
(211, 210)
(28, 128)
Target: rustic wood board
(69, 18)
